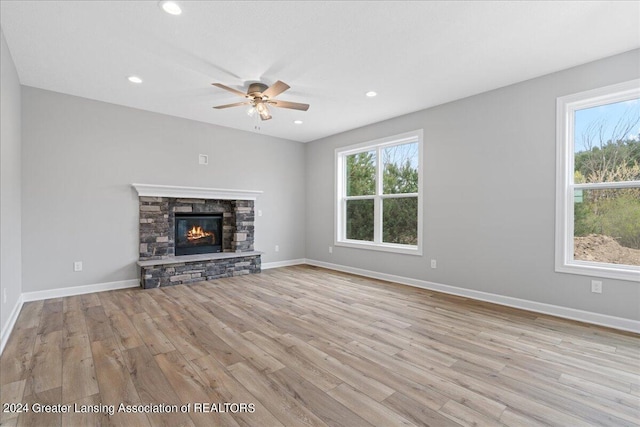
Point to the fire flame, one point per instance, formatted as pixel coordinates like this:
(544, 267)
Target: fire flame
(198, 233)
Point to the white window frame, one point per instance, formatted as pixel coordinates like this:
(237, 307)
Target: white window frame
(340, 194)
(565, 185)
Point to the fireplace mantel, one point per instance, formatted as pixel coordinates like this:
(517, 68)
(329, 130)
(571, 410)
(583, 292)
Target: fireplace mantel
(152, 190)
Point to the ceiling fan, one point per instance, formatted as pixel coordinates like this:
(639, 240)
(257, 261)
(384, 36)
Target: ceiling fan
(259, 96)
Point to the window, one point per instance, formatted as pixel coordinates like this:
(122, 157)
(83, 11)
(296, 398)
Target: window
(379, 194)
(598, 182)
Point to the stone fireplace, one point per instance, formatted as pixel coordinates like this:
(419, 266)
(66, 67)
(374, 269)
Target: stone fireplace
(192, 234)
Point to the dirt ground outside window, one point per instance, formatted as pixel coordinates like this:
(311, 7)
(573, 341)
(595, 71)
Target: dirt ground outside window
(600, 248)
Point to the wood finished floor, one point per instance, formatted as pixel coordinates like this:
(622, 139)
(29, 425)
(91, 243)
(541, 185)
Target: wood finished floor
(309, 346)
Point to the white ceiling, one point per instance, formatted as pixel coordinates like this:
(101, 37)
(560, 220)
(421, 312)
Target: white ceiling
(414, 54)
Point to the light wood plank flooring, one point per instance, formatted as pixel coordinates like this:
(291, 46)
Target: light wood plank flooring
(312, 347)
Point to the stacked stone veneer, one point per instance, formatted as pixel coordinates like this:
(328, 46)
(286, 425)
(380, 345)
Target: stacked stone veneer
(197, 271)
(157, 240)
(158, 216)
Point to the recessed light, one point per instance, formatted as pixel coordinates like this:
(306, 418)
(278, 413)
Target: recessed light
(298, 122)
(135, 79)
(371, 94)
(171, 7)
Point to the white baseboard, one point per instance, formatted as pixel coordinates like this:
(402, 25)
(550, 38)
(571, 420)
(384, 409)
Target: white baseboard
(287, 263)
(11, 321)
(538, 307)
(79, 290)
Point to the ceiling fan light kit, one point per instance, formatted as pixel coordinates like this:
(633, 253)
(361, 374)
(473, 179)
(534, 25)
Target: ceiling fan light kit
(260, 96)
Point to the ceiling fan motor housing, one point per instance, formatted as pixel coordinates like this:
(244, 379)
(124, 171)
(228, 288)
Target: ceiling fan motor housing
(256, 88)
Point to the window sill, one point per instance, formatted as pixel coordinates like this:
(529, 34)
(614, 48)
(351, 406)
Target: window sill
(607, 271)
(383, 247)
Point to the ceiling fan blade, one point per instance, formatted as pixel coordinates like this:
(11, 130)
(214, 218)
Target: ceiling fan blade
(292, 105)
(236, 104)
(230, 89)
(276, 89)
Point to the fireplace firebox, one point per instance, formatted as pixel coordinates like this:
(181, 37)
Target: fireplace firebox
(198, 233)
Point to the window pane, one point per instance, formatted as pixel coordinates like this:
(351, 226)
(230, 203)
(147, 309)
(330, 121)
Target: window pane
(361, 174)
(607, 143)
(360, 219)
(607, 225)
(400, 220)
(400, 168)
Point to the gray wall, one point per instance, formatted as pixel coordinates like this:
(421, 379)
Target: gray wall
(80, 158)
(10, 185)
(489, 194)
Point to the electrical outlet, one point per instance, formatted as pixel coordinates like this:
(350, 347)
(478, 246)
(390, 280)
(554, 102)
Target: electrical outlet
(277, 248)
(77, 266)
(330, 249)
(434, 263)
(259, 212)
(596, 286)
